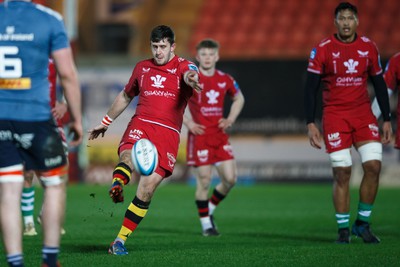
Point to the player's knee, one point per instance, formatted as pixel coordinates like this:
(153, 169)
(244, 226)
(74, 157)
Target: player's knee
(230, 181)
(341, 158)
(370, 151)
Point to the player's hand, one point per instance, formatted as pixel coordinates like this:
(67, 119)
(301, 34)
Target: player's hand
(195, 128)
(96, 131)
(224, 123)
(314, 135)
(59, 110)
(193, 81)
(76, 130)
(387, 132)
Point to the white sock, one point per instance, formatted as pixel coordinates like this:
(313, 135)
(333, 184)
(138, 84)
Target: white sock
(205, 223)
(211, 208)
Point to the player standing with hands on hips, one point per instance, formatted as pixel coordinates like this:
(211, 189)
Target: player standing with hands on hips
(343, 62)
(29, 139)
(208, 143)
(164, 85)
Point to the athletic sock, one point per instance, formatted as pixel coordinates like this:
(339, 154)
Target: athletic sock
(15, 260)
(27, 204)
(203, 210)
(122, 172)
(343, 220)
(49, 255)
(133, 216)
(215, 199)
(364, 212)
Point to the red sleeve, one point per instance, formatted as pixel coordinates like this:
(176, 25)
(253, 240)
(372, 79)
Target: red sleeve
(316, 60)
(233, 88)
(132, 87)
(392, 72)
(375, 61)
(187, 65)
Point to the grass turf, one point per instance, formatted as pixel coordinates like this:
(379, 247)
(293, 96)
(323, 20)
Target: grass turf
(262, 225)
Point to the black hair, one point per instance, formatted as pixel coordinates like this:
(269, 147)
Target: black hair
(346, 5)
(207, 43)
(162, 32)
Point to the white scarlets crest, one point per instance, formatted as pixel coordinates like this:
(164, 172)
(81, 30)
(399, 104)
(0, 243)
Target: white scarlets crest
(212, 96)
(157, 81)
(351, 65)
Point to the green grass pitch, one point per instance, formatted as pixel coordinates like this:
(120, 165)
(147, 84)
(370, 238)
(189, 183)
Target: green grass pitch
(261, 225)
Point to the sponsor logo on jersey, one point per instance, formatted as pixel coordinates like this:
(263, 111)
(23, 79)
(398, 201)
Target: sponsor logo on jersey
(348, 81)
(145, 70)
(351, 65)
(313, 53)
(49, 162)
(15, 84)
(135, 134)
(193, 67)
(221, 85)
(334, 139)
(160, 93)
(228, 149)
(211, 111)
(157, 81)
(212, 96)
(25, 140)
(173, 71)
(171, 159)
(202, 155)
(5, 136)
(362, 53)
(336, 55)
(374, 129)
(10, 35)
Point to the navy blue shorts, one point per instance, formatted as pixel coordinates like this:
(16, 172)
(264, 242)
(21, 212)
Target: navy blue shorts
(37, 145)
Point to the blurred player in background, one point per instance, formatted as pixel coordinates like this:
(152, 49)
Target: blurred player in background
(28, 135)
(58, 110)
(208, 143)
(343, 62)
(164, 85)
(392, 79)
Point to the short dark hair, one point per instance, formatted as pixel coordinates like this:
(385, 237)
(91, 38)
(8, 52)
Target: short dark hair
(207, 43)
(162, 32)
(346, 5)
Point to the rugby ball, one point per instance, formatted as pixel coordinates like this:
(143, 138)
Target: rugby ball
(144, 157)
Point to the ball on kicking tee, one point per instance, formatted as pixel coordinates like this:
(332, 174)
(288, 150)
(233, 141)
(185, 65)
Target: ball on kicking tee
(144, 157)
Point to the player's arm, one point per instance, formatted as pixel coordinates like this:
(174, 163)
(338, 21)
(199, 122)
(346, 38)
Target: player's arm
(382, 97)
(69, 81)
(375, 106)
(310, 104)
(120, 103)
(192, 126)
(236, 108)
(191, 78)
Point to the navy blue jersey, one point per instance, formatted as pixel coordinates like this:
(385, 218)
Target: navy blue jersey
(29, 33)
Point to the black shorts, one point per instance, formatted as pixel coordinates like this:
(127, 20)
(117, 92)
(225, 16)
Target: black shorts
(37, 145)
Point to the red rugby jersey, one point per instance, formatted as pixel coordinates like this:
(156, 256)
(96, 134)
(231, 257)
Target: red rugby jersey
(207, 107)
(163, 94)
(344, 68)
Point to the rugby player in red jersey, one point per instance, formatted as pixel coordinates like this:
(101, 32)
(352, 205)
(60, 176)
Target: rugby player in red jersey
(164, 85)
(208, 143)
(343, 62)
(392, 79)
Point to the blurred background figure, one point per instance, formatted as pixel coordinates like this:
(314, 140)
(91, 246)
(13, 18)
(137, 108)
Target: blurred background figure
(208, 145)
